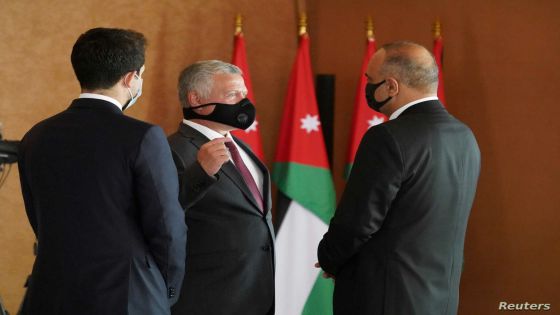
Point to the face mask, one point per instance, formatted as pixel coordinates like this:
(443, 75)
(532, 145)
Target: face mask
(370, 96)
(240, 115)
(134, 98)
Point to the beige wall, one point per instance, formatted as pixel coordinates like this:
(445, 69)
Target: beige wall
(37, 80)
(500, 73)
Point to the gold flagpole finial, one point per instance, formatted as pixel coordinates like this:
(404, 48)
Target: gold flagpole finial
(302, 24)
(437, 28)
(369, 29)
(238, 24)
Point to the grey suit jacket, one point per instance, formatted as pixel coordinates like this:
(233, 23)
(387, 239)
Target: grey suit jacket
(395, 243)
(230, 257)
(101, 195)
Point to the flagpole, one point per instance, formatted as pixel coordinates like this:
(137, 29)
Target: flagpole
(238, 24)
(369, 29)
(302, 25)
(300, 7)
(437, 29)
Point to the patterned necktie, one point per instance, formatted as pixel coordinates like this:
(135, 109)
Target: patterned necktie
(242, 168)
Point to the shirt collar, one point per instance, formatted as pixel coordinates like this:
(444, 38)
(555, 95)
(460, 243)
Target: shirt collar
(207, 132)
(399, 111)
(102, 97)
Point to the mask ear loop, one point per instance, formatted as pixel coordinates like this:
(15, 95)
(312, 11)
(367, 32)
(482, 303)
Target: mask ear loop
(130, 92)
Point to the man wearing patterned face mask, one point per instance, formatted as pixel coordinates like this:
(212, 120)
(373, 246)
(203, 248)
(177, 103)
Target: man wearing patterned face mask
(225, 191)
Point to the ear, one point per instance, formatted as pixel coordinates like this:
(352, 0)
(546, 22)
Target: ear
(127, 79)
(193, 98)
(393, 86)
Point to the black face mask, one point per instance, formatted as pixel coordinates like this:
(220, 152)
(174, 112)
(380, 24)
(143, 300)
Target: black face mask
(240, 115)
(370, 96)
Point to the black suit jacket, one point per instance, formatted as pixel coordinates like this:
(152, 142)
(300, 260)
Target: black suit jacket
(100, 191)
(396, 241)
(230, 257)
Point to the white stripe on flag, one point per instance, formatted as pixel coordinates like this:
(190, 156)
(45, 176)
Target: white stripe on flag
(296, 254)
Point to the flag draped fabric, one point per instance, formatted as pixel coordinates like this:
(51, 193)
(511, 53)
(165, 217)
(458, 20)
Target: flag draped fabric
(301, 172)
(251, 135)
(364, 117)
(438, 55)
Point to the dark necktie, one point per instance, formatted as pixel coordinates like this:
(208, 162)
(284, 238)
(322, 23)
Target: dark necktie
(242, 168)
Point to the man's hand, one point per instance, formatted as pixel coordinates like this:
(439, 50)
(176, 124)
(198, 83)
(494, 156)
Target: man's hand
(326, 275)
(212, 155)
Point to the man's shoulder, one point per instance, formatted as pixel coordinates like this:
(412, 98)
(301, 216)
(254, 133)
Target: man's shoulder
(177, 137)
(45, 126)
(181, 142)
(132, 122)
(185, 134)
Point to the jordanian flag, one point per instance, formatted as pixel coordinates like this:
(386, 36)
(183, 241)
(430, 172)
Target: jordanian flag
(251, 135)
(364, 117)
(306, 197)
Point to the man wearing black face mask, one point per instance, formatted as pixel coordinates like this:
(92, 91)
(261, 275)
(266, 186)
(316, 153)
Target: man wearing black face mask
(225, 191)
(100, 192)
(395, 243)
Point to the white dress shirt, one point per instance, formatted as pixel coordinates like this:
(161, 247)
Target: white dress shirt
(399, 111)
(251, 165)
(101, 97)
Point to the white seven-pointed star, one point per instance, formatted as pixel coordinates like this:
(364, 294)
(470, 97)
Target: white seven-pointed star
(310, 123)
(253, 127)
(375, 121)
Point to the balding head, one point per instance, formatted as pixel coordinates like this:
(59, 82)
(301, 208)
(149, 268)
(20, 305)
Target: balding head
(402, 72)
(411, 64)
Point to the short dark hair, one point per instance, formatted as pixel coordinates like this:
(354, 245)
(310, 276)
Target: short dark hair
(101, 56)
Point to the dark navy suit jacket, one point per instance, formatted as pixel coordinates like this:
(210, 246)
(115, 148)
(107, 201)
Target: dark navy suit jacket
(101, 194)
(396, 241)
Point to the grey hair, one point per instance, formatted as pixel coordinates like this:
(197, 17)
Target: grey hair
(198, 78)
(418, 73)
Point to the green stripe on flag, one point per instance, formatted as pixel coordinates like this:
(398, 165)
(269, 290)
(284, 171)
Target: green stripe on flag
(310, 186)
(320, 298)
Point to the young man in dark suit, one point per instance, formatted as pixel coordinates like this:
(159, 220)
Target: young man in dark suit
(225, 191)
(101, 193)
(395, 243)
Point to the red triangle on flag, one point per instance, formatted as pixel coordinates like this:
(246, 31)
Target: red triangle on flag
(251, 135)
(301, 136)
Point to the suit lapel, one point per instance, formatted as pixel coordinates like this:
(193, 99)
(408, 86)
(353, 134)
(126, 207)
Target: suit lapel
(229, 169)
(195, 137)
